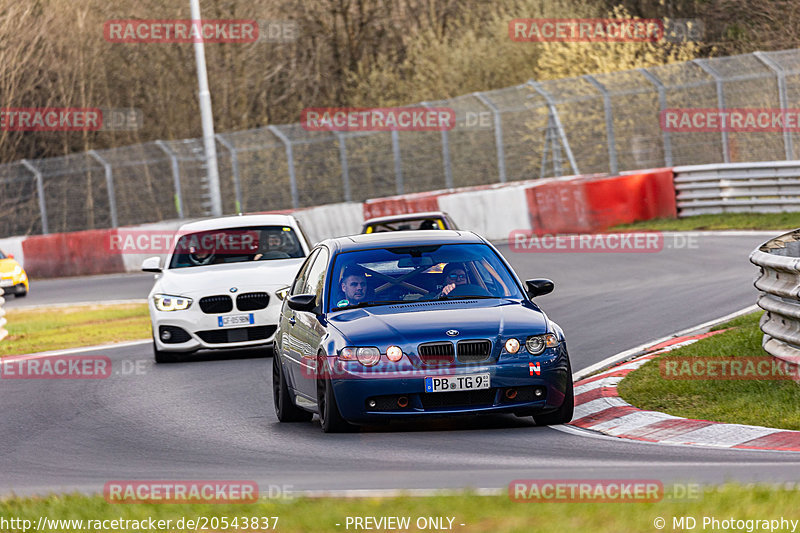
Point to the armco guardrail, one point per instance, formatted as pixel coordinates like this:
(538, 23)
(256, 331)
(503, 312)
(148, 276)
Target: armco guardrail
(763, 187)
(779, 282)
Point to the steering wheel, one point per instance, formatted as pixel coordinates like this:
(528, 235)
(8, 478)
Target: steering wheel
(470, 289)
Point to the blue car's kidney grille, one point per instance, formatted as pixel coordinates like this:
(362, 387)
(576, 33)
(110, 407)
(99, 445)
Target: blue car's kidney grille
(474, 351)
(436, 353)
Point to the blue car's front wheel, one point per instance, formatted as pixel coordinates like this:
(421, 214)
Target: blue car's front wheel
(563, 414)
(329, 416)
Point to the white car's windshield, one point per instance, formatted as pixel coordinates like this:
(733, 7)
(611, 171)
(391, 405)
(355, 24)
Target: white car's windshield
(235, 245)
(396, 275)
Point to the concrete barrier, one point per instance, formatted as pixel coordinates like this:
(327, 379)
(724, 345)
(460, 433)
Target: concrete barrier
(13, 246)
(332, 220)
(573, 204)
(629, 198)
(80, 253)
(492, 213)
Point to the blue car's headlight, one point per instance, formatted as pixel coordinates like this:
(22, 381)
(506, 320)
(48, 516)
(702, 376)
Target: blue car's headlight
(166, 302)
(512, 345)
(536, 344)
(366, 355)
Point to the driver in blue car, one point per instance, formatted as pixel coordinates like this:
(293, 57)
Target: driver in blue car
(354, 286)
(454, 275)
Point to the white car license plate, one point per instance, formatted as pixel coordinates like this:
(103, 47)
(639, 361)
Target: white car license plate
(456, 383)
(6, 282)
(235, 320)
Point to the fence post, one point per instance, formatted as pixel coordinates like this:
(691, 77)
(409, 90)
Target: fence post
(662, 104)
(237, 188)
(498, 135)
(448, 168)
(726, 156)
(290, 158)
(40, 193)
(176, 176)
(345, 165)
(551, 107)
(398, 162)
(612, 141)
(112, 200)
(784, 101)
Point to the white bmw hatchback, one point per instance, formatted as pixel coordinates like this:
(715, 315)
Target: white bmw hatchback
(220, 286)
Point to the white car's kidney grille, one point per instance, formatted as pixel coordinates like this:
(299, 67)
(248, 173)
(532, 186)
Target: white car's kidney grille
(221, 303)
(252, 301)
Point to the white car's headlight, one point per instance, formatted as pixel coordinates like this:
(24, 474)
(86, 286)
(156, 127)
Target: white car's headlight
(282, 293)
(167, 302)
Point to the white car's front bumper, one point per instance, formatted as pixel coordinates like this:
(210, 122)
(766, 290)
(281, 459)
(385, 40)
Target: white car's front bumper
(204, 330)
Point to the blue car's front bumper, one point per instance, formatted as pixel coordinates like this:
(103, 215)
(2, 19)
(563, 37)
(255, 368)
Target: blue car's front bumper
(402, 394)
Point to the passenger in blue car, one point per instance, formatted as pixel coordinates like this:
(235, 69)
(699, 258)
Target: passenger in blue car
(354, 286)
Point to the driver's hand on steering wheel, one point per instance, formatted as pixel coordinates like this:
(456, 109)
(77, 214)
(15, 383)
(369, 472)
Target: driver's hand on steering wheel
(447, 289)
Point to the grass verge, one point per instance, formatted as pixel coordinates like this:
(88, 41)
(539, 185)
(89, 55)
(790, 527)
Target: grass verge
(771, 403)
(477, 513)
(725, 221)
(42, 329)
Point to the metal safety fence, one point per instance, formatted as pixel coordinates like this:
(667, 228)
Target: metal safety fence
(590, 124)
(779, 283)
(765, 187)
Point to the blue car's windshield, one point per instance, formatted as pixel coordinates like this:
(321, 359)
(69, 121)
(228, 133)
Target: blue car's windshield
(414, 273)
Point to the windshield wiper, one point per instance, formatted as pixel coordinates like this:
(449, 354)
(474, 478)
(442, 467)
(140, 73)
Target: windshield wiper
(477, 297)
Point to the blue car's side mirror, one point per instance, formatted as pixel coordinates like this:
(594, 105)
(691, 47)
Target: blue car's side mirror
(302, 302)
(539, 287)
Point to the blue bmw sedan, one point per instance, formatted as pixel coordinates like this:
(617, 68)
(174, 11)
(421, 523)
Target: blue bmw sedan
(416, 324)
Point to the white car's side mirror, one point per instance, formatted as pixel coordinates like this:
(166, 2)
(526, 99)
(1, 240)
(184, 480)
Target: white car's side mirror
(151, 264)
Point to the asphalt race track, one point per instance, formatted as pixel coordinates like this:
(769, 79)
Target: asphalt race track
(212, 418)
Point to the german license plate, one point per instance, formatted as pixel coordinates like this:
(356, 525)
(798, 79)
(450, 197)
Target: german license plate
(456, 383)
(235, 320)
(6, 282)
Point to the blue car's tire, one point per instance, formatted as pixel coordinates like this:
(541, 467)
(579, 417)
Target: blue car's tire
(330, 418)
(564, 413)
(285, 409)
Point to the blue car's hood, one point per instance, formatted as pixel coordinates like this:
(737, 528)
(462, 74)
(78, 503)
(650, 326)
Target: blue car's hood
(411, 324)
